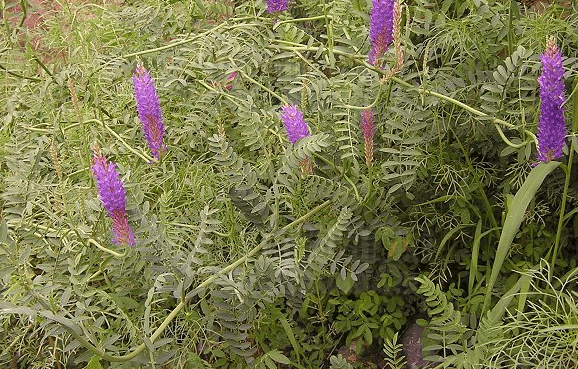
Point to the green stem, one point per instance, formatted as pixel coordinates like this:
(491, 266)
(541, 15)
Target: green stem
(326, 16)
(462, 105)
(342, 174)
(19, 75)
(102, 354)
(145, 157)
(188, 40)
(356, 58)
(369, 184)
(328, 28)
(355, 107)
(113, 253)
(280, 98)
(574, 96)
(43, 67)
(480, 186)
(563, 206)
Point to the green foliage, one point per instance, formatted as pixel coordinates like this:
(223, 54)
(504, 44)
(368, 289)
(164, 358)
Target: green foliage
(252, 252)
(393, 353)
(339, 362)
(545, 333)
(445, 329)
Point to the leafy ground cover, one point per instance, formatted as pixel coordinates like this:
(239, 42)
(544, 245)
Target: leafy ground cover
(419, 203)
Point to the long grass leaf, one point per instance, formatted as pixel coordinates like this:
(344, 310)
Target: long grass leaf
(475, 254)
(514, 218)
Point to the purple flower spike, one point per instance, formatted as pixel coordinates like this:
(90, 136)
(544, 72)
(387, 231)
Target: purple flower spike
(276, 5)
(113, 197)
(294, 123)
(367, 128)
(551, 126)
(149, 110)
(381, 28)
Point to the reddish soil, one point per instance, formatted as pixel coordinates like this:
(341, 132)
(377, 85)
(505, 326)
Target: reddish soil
(34, 24)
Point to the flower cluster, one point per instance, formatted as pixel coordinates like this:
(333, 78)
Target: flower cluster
(551, 126)
(276, 5)
(367, 128)
(113, 197)
(149, 111)
(229, 81)
(294, 123)
(380, 28)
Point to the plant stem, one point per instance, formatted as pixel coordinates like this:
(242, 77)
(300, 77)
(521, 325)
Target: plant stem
(67, 323)
(145, 157)
(280, 98)
(326, 16)
(113, 253)
(420, 90)
(342, 173)
(568, 173)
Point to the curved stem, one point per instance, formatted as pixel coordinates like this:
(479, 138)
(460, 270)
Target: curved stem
(113, 253)
(353, 187)
(355, 107)
(302, 20)
(420, 90)
(145, 157)
(282, 99)
(156, 334)
(506, 140)
(19, 75)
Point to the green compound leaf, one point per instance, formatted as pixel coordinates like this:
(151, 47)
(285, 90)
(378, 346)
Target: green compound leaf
(514, 218)
(94, 363)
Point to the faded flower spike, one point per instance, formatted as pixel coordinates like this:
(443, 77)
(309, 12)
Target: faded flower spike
(229, 81)
(149, 110)
(294, 123)
(276, 5)
(551, 126)
(380, 28)
(367, 128)
(113, 197)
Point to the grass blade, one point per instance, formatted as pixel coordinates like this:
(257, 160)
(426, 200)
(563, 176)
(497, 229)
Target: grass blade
(514, 218)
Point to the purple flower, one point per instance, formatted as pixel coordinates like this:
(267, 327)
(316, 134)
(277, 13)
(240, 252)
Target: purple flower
(367, 128)
(381, 28)
(276, 5)
(113, 197)
(149, 110)
(229, 81)
(551, 126)
(294, 123)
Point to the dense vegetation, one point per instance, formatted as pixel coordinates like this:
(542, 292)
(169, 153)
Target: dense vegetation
(251, 251)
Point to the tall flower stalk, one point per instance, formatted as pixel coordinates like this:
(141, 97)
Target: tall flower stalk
(551, 126)
(296, 128)
(113, 197)
(380, 28)
(367, 128)
(149, 110)
(294, 123)
(399, 53)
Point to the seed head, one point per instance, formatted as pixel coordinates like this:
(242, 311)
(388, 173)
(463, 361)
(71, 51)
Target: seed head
(367, 128)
